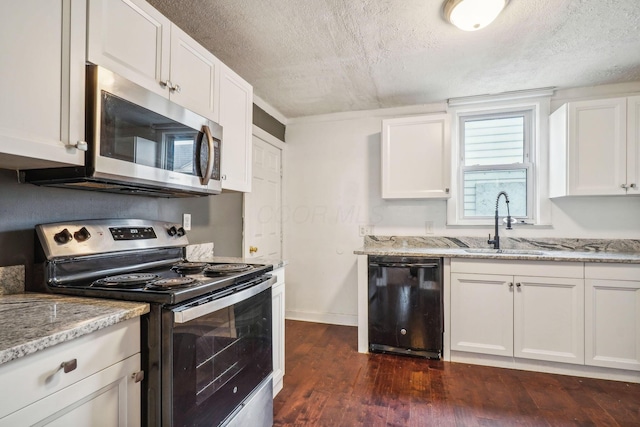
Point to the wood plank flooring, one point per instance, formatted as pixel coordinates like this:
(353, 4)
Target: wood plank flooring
(328, 383)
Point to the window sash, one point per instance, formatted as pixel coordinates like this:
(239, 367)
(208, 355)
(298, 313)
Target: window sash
(525, 164)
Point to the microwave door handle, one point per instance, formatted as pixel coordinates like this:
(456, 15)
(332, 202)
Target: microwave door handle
(204, 180)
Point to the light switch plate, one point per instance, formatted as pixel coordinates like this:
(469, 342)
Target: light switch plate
(186, 221)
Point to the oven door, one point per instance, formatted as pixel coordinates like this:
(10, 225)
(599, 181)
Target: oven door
(218, 350)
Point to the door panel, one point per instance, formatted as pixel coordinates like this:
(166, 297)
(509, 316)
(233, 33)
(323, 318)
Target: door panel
(482, 314)
(263, 206)
(549, 319)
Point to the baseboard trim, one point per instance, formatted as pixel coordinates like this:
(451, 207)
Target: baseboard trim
(330, 318)
(547, 367)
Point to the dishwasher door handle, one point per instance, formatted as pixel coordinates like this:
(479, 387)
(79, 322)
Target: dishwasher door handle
(400, 265)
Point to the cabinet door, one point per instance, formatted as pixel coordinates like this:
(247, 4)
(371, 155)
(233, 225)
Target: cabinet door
(278, 296)
(107, 398)
(633, 145)
(482, 313)
(549, 319)
(416, 157)
(236, 116)
(42, 68)
(597, 147)
(612, 323)
(193, 75)
(132, 39)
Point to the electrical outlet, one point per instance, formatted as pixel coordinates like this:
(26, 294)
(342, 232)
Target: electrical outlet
(186, 221)
(428, 227)
(365, 230)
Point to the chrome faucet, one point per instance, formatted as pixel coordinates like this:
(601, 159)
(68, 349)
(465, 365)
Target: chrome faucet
(496, 238)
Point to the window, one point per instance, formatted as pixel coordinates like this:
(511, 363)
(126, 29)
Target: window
(495, 156)
(500, 143)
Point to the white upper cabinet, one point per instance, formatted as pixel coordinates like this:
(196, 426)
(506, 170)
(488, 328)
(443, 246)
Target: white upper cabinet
(134, 40)
(416, 157)
(633, 145)
(42, 45)
(194, 73)
(236, 118)
(594, 148)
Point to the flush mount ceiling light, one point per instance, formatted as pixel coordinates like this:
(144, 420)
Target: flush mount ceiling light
(471, 15)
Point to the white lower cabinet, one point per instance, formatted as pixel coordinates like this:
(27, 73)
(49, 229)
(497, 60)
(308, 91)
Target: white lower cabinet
(101, 390)
(612, 316)
(278, 297)
(523, 316)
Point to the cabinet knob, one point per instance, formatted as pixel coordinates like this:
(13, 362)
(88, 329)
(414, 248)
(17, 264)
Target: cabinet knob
(224, 177)
(518, 285)
(510, 285)
(175, 88)
(166, 84)
(69, 365)
(633, 185)
(138, 376)
(625, 186)
(253, 249)
(80, 145)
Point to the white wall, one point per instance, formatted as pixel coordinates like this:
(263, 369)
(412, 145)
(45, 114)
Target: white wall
(332, 185)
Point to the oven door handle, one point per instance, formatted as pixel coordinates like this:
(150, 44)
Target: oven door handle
(192, 311)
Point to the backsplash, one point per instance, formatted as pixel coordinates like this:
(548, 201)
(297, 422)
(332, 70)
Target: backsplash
(547, 244)
(200, 251)
(12, 280)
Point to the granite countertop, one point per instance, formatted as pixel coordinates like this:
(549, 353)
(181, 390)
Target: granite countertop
(32, 322)
(277, 263)
(567, 250)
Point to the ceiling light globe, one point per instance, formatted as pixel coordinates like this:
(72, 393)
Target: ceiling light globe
(472, 15)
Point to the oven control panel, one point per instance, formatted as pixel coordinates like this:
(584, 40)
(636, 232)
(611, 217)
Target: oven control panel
(71, 239)
(132, 233)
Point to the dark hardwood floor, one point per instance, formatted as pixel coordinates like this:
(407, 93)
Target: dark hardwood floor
(328, 383)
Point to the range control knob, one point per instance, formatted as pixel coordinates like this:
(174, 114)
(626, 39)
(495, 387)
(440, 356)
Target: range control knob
(63, 237)
(172, 230)
(82, 235)
(180, 232)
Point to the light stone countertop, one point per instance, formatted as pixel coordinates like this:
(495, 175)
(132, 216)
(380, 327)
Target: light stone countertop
(543, 249)
(32, 321)
(510, 254)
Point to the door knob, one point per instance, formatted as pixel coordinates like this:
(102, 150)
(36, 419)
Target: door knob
(253, 249)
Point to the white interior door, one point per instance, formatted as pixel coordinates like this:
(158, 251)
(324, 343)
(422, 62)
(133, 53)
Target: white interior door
(263, 206)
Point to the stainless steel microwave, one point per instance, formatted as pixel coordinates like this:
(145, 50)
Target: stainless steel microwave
(139, 142)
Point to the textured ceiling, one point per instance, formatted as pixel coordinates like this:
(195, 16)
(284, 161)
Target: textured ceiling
(308, 57)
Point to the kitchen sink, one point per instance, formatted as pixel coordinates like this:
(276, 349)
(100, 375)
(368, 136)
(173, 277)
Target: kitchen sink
(504, 251)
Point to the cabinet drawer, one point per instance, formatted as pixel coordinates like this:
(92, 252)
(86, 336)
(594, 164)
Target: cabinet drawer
(38, 375)
(612, 271)
(523, 268)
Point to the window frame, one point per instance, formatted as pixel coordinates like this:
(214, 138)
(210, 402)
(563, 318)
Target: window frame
(539, 204)
(526, 164)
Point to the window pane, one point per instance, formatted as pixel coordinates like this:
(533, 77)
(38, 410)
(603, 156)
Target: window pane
(495, 141)
(482, 187)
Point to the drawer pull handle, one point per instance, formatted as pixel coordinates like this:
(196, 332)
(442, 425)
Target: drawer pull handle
(138, 376)
(69, 366)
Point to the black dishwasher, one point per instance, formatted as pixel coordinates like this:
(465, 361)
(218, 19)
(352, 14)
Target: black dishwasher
(406, 306)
